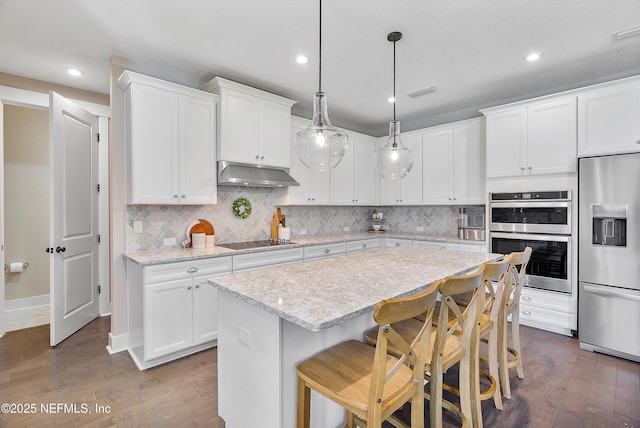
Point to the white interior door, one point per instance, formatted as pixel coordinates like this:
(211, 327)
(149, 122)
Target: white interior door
(74, 217)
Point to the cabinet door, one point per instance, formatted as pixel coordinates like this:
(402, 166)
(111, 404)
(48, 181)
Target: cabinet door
(239, 127)
(365, 175)
(437, 187)
(412, 183)
(506, 143)
(154, 145)
(390, 191)
(205, 311)
(319, 187)
(168, 311)
(468, 165)
(198, 182)
(609, 121)
(275, 134)
(343, 177)
(551, 140)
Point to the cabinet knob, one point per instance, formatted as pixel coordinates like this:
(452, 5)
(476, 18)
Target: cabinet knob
(197, 285)
(192, 269)
(175, 195)
(261, 157)
(188, 287)
(530, 168)
(398, 244)
(528, 313)
(527, 298)
(326, 251)
(364, 245)
(521, 168)
(638, 142)
(257, 157)
(184, 196)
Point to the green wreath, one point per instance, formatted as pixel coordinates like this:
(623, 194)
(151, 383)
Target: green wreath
(242, 208)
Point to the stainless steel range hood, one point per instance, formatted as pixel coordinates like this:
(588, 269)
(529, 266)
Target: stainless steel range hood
(239, 174)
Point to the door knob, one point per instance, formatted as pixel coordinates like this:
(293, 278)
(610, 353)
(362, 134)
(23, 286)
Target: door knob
(60, 249)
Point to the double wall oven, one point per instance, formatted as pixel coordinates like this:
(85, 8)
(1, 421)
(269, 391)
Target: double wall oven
(542, 221)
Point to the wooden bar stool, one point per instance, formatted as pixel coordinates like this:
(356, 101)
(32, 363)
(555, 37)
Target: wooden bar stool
(449, 348)
(368, 382)
(511, 306)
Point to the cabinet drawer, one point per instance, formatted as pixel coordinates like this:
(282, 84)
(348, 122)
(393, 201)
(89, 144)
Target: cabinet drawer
(327, 250)
(266, 259)
(556, 321)
(396, 242)
(363, 245)
(179, 270)
(451, 246)
(548, 300)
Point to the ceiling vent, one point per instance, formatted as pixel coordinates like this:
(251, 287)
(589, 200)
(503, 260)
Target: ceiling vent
(421, 92)
(629, 32)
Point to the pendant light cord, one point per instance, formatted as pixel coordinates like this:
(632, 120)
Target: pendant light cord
(320, 50)
(394, 80)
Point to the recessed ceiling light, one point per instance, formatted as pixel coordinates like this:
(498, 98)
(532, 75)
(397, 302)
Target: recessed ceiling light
(301, 59)
(533, 56)
(75, 72)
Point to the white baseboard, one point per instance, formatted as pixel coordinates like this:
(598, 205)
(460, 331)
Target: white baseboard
(117, 343)
(27, 312)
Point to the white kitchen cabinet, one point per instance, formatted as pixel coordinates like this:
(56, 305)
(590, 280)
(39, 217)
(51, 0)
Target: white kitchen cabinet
(363, 245)
(170, 142)
(451, 246)
(255, 125)
(453, 164)
(537, 138)
(324, 251)
(260, 259)
(408, 190)
(173, 310)
(354, 180)
(397, 242)
(609, 119)
(315, 186)
(548, 310)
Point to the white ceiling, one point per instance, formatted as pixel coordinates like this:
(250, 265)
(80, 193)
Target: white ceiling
(471, 50)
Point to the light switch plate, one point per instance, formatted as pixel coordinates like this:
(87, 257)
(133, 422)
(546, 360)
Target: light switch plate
(303, 231)
(420, 229)
(169, 241)
(137, 227)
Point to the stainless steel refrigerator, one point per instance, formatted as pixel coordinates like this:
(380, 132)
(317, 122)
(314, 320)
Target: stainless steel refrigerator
(609, 255)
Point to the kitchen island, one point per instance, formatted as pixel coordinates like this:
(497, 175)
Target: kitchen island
(271, 319)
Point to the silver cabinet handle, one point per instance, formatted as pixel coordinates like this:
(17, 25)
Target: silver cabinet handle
(188, 287)
(192, 269)
(326, 251)
(528, 313)
(261, 157)
(521, 168)
(364, 245)
(197, 285)
(530, 168)
(175, 195)
(398, 244)
(638, 142)
(184, 196)
(527, 298)
(257, 157)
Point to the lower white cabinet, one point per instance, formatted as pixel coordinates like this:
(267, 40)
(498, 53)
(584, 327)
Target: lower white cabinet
(363, 245)
(479, 248)
(173, 310)
(260, 259)
(397, 242)
(323, 251)
(548, 310)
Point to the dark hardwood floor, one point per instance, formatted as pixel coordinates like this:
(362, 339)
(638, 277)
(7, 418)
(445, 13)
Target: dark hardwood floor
(564, 387)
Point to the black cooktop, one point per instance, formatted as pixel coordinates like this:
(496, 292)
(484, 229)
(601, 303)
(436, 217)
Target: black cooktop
(252, 244)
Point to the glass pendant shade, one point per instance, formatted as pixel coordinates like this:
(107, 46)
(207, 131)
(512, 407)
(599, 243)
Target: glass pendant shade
(321, 146)
(394, 160)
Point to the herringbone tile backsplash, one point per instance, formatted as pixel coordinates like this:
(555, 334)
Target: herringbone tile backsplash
(166, 221)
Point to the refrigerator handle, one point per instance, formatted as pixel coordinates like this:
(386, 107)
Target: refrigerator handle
(611, 293)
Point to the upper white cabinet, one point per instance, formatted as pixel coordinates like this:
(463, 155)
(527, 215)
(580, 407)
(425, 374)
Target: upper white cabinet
(170, 142)
(314, 186)
(609, 119)
(255, 126)
(532, 139)
(453, 164)
(408, 190)
(354, 180)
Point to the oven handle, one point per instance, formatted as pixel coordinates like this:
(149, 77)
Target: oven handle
(609, 293)
(531, 237)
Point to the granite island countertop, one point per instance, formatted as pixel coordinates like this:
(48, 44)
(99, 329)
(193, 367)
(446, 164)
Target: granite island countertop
(169, 255)
(320, 294)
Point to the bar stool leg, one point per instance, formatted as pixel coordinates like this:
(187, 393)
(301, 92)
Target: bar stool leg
(304, 404)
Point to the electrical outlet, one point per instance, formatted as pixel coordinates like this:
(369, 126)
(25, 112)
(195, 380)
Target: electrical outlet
(420, 229)
(169, 241)
(303, 231)
(346, 228)
(137, 226)
(244, 336)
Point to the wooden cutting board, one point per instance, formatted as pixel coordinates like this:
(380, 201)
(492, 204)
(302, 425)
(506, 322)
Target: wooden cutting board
(203, 226)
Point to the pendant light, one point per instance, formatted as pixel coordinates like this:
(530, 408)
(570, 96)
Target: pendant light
(394, 160)
(320, 146)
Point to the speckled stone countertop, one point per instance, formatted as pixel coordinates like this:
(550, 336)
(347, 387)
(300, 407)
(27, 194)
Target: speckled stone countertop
(151, 257)
(323, 293)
